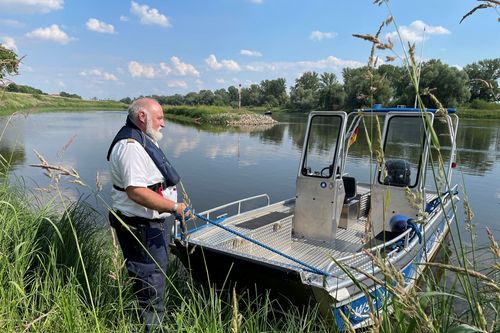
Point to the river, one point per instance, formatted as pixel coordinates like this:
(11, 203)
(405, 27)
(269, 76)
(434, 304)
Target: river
(219, 165)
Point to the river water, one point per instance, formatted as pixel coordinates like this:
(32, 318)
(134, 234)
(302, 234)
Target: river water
(219, 165)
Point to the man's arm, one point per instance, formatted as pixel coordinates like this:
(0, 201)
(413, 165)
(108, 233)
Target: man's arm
(150, 199)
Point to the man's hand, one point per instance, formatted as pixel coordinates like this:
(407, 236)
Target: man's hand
(183, 211)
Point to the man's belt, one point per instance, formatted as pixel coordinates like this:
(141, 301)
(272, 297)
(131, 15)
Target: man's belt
(131, 220)
(158, 187)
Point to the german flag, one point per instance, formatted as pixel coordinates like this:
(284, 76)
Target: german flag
(353, 137)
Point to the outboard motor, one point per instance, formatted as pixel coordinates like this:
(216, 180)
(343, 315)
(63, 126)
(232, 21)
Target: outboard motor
(398, 173)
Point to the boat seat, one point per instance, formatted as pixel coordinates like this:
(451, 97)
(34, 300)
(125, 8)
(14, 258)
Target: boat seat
(398, 173)
(350, 188)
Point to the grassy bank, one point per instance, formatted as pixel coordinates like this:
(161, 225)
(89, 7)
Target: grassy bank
(11, 102)
(478, 114)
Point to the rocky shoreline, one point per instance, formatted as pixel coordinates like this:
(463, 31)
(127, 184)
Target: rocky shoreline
(244, 119)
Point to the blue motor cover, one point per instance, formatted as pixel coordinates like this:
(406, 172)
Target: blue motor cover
(399, 223)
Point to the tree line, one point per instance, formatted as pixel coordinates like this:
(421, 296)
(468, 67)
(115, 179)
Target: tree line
(387, 84)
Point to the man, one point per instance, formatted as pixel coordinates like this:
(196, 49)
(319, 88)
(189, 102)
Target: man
(144, 194)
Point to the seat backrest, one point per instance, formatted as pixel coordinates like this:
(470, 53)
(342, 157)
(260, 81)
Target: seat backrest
(350, 188)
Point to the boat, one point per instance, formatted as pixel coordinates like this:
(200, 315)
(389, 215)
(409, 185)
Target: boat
(320, 246)
(268, 113)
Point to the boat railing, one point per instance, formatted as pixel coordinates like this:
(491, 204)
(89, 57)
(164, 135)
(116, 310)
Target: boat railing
(405, 235)
(237, 203)
(234, 203)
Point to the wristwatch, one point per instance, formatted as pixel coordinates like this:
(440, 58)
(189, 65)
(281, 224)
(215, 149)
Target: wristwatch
(176, 206)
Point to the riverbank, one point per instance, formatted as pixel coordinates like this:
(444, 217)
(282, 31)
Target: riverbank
(218, 115)
(11, 102)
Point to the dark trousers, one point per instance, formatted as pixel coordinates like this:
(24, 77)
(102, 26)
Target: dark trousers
(147, 266)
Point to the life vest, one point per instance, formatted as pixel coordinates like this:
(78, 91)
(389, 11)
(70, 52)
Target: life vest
(131, 131)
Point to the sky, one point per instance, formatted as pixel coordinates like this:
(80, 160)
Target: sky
(111, 49)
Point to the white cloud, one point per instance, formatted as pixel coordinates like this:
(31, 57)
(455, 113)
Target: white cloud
(250, 53)
(124, 18)
(137, 70)
(99, 74)
(230, 65)
(11, 23)
(258, 2)
(320, 35)
(31, 6)
(148, 15)
(52, 33)
(177, 84)
(61, 83)
(330, 62)
(9, 43)
(183, 68)
(165, 69)
(417, 32)
(221, 81)
(99, 26)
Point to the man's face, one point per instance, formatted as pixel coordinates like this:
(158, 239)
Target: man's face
(155, 122)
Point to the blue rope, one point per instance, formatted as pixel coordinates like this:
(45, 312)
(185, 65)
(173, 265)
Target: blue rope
(429, 208)
(416, 230)
(308, 267)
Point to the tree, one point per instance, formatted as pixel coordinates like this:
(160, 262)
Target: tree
(23, 89)
(483, 79)
(9, 63)
(364, 88)
(221, 97)
(65, 94)
(191, 98)
(403, 91)
(206, 97)
(251, 96)
(126, 100)
(273, 92)
(331, 92)
(304, 94)
(448, 84)
(233, 95)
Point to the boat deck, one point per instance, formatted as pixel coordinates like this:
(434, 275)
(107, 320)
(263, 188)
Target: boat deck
(272, 226)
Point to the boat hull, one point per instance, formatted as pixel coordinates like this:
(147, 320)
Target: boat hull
(224, 270)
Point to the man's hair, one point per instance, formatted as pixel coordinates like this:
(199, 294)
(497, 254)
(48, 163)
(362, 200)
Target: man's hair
(135, 108)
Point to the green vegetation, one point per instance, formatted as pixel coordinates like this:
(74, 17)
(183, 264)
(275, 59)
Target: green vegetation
(11, 102)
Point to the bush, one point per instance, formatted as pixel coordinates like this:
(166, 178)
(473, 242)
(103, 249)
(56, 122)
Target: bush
(484, 105)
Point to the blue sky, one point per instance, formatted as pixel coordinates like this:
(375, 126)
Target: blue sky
(114, 49)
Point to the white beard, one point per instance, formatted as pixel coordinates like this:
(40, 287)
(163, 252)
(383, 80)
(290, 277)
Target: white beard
(155, 135)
